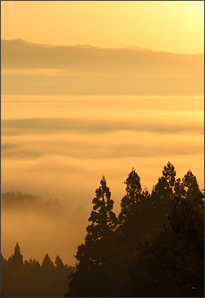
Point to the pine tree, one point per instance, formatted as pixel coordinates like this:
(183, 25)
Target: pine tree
(59, 263)
(103, 219)
(133, 195)
(47, 263)
(132, 210)
(90, 279)
(182, 255)
(190, 185)
(16, 260)
(169, 174)
(163, 190)
(163, 194)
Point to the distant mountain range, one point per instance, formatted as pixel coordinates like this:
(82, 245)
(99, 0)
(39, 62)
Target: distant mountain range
(21, 54)
(112, 70)
(76, 46)
(31, 43)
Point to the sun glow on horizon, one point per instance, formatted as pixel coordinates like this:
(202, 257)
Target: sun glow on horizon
(170, 26)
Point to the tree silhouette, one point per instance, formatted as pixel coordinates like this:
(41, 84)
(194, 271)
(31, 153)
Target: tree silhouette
(133, 195)
(162, 196)
(114, 261)
(132, 211)
(177, 268)
(169, 174)
(47, 263)
(58, 262)
(182, 252)
(16, 260)
(30, 279)
(92, 255)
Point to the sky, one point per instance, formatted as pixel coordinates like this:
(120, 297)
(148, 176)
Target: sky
(170, 26)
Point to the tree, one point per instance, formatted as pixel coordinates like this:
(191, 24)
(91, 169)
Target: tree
(162, 196)
(182, 252)
(134, 214)
(177, 268)
(47, 264)
(102, 217)
(145, 278)
(32, 264)
(113, 261)
(3, 261)
(16, 260)
(169, 174)
(4, 275)
(33, 280)
(190, 185)
(59, 264)
(90, 279)
(133, 195)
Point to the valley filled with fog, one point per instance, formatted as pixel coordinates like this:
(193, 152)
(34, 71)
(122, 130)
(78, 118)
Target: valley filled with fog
(67, 122)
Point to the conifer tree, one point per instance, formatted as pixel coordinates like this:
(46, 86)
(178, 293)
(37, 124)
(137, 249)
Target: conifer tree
(59, 263)
(90, 279)
(132, 207)
(133, 195)
(163, 190)
(16, 260)
(190, 185)
(47, 263)
(169, 174)
(182, 253)
(163, 194)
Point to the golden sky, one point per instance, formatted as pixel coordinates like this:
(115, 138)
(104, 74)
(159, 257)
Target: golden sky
(171, 26)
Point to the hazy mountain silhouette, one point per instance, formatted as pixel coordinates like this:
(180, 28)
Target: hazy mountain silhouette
(130, 48)
(90, 70)
(18, 53)
(79, 45)
(34, 44)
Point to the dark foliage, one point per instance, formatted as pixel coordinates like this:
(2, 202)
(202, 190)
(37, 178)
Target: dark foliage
(156, 247)
(183, 257)
(91, 273)
(30, 279)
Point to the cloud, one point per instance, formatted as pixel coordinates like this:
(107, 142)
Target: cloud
(70, 142)
(69, 167)
(146, 122)
(124, 143)
(82, 138)
(101, 84)
(102, 107)
(9, 147)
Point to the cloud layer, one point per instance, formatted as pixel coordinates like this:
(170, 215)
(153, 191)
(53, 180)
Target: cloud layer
(59, 147)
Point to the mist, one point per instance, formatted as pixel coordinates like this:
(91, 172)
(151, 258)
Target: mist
(45, 231)
(73, 114)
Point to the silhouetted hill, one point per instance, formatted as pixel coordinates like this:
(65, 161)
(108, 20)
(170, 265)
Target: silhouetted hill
(34, 44)
(86, 70)
(21, 54)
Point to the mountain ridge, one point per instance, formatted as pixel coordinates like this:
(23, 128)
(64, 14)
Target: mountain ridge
(77, 45)
(88, 46)
(83, 69)
(22, 54)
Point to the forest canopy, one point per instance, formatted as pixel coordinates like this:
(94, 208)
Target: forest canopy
(153, 248)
